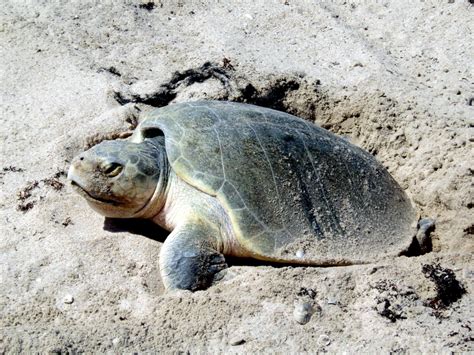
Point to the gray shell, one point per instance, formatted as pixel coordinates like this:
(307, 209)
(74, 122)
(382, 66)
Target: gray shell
(294, 191)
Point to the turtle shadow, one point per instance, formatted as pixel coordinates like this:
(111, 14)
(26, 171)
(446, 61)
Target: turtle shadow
(239, 261)
(141, 227)
(148, 229)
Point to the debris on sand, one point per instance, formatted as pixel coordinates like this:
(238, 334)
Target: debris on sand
(308, 292)
(67, 221)
(54, 183)
(25, 192)
(25, 206)
(12, 169)
(448, 288)
(394, 301)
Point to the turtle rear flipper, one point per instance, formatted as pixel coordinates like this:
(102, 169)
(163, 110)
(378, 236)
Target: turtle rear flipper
(422, 242)
(188, 260)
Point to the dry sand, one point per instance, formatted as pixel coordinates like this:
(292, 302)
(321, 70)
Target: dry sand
(396, 78)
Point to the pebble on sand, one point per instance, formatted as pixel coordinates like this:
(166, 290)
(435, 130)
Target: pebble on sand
(237, 341)
(303, 312)
(68, 299)
(324, 340)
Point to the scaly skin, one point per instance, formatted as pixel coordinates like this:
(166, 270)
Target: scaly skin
(120, 179)
(124, 180)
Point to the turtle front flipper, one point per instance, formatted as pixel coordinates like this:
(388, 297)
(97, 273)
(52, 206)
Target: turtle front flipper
(188, 259)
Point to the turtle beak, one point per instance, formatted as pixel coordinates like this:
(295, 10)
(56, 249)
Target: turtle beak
(70, 173)
(74, 175)
(75, 180)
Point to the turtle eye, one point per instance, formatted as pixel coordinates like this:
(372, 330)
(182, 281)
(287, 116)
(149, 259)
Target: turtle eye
(113, 169)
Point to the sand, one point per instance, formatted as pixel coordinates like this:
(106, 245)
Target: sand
(395, 78)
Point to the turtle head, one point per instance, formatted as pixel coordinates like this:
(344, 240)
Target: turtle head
(119, 178)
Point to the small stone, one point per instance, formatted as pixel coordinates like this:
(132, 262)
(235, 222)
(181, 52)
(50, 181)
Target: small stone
(436, 165)
(303, 312)
(381, 307)
(68, 299)
(237, 341)
(300, 254)
(373, 270)
(332, 301)
(324, 340)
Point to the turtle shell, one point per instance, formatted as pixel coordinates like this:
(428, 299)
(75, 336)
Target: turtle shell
(294, 191)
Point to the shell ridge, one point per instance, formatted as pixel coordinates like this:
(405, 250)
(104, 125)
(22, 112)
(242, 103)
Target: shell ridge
(354, 192)
(220, 153)
(320, 186)
(248, 209)
(273, 174)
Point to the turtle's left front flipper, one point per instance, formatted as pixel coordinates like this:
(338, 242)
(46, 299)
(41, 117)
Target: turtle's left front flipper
(188, 259)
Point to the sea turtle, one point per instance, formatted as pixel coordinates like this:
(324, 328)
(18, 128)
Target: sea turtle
(236, 179)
